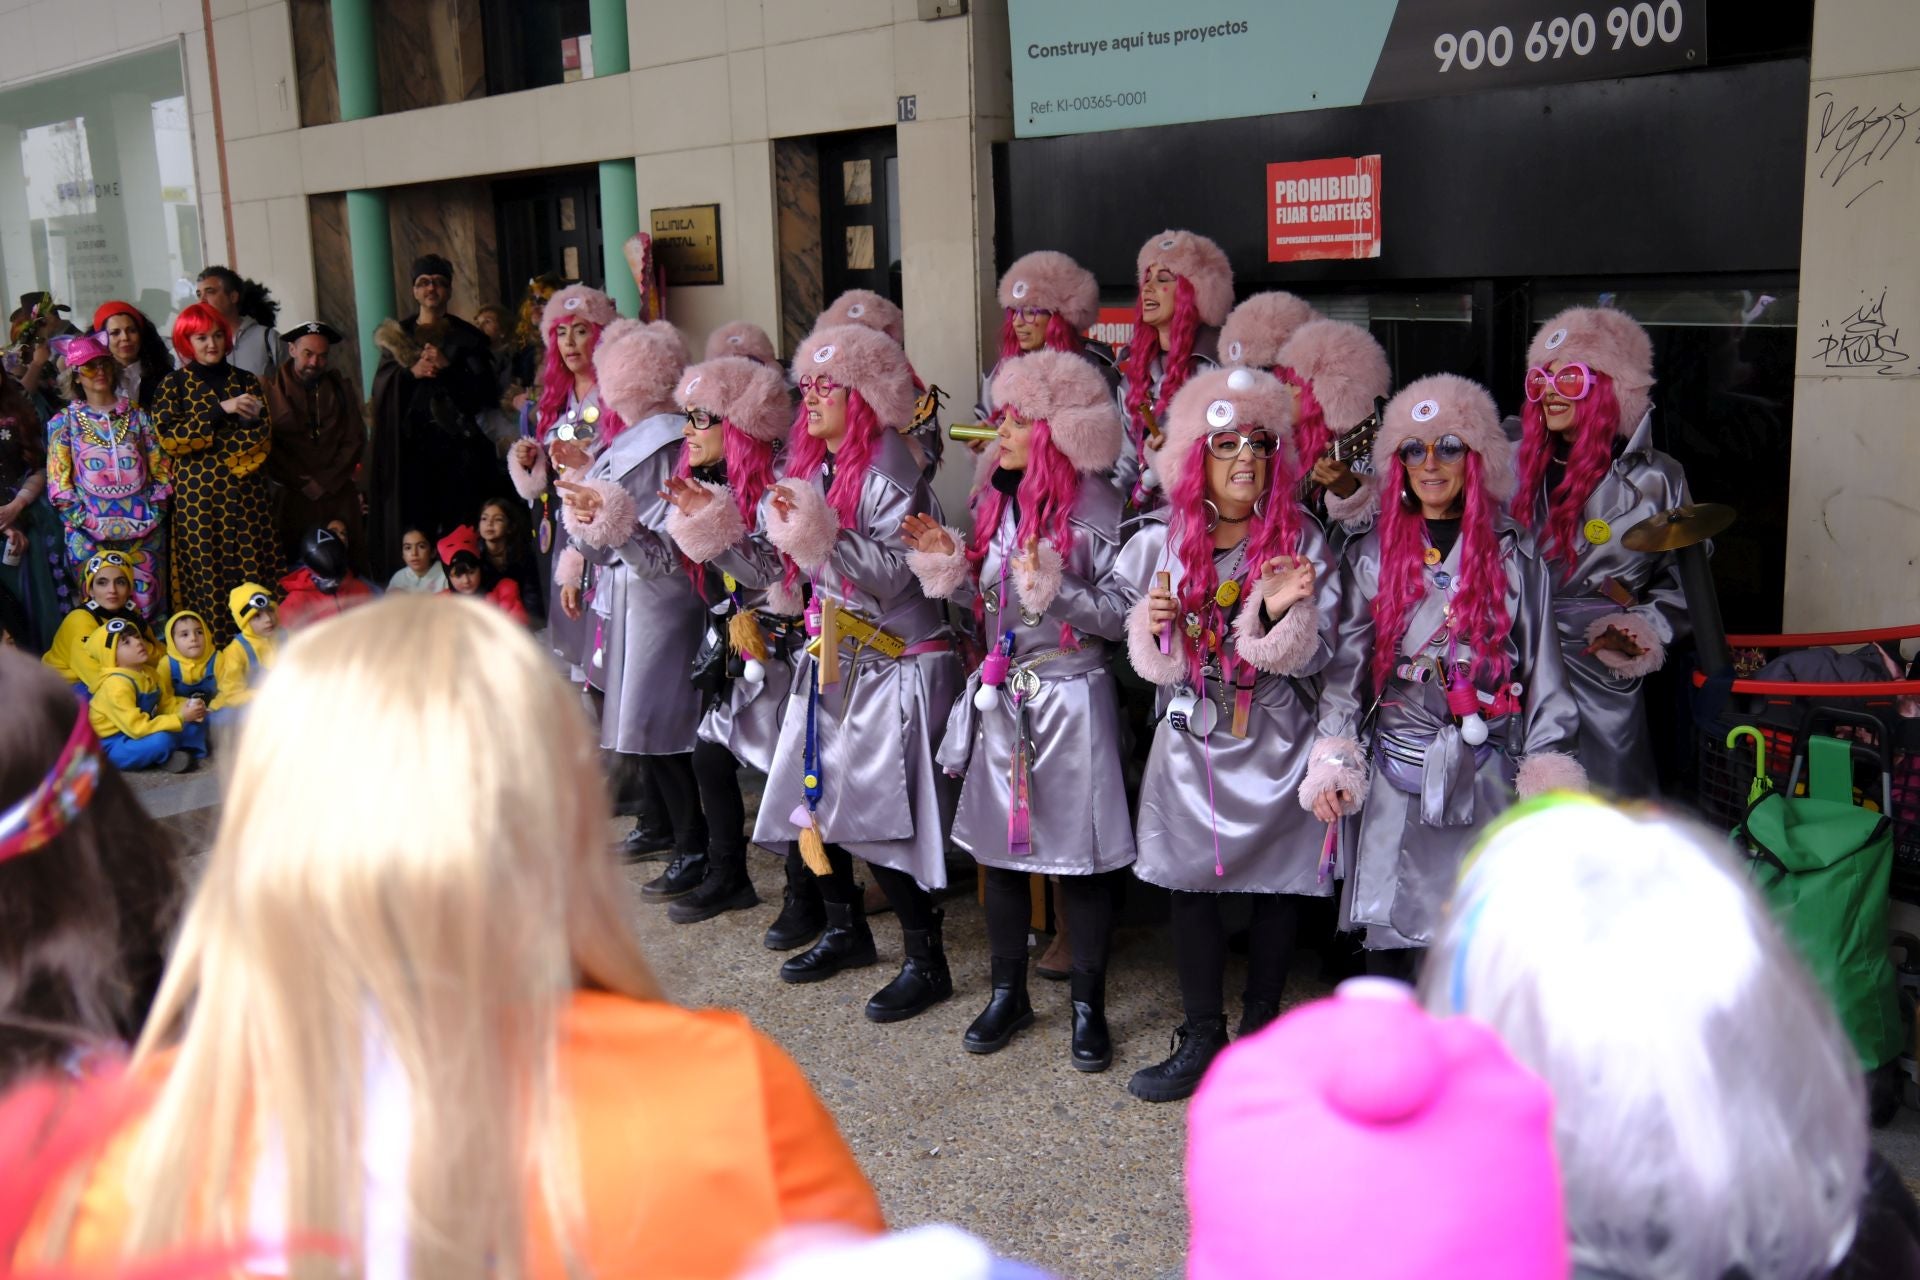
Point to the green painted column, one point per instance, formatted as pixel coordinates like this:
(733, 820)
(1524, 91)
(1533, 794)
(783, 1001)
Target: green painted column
(356, 67)
(372, 251)
(619, 218)
(607, 20)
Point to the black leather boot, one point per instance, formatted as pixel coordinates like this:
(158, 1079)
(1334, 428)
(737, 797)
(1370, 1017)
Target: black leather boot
(683, 875)
(645, 843)
(847, 943)
(1255, 1014)
(1197, 1043)
(802, 914)
(1008, 1009)
(726, 888)
(1092, 1046)
(923, 980)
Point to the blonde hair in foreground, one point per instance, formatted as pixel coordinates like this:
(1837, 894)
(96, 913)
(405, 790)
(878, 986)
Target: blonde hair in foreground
(1708, 1109)
(414, 847)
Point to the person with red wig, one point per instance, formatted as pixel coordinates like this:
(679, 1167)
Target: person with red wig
(871, 311)
(570, 423)
(1186, 291)
(1233, 600)
(854, 774)
(213, 420)
(1448, 662)
(1036, 737)
(1048, 302)
(1588, 473)
(1339, 375)
(737, 412)
(645, 614)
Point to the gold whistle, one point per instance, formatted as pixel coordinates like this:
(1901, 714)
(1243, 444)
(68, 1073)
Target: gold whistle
(964, 431)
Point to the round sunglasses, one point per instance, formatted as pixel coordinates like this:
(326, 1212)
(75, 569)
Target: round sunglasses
(1573, 382)
(1228, 443)
(1447, 450)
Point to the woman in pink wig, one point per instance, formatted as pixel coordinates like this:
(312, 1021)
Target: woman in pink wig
(569, 425)
(646, 619)
(869, 310)
(1036, 738)
(1048, 301)
(854, 771)
(737, 411)
(1588, 473)
(1447, 662)
(1339, 375)
(1234, 596)
(1186, 291)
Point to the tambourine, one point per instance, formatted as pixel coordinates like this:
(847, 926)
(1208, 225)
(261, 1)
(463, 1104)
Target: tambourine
(1190, 713)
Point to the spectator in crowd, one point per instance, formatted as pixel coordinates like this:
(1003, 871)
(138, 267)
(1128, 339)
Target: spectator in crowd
(254, 651)
(34, 324)
(137, 348)
(323, 584)
(1710, 1113)
(433, 464)
(108, 579)
(419, 570)
(487, 1114)
(528, 342)
(33, 557)
(254, 347)
(89, 887)
(132, 709)
(508, 552)
(471, 573)
(212, 418)
(318, 439)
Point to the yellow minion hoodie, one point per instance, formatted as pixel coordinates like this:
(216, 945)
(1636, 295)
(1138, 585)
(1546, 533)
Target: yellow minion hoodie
(125, 699)
(182, 677)
(248, 656)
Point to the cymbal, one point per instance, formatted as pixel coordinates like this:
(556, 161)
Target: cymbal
(1680, 527)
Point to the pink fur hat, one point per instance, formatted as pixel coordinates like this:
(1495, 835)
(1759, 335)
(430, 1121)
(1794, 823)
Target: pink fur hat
(576, 302)
(1201, 261)
(1074, 399)
(741, 338)
(1344, 365)
(866, 308)
(867, 361)
(1241, 398)
(1447, 404)
(1053, 282)
(1606, 341)
(638, 365)
(1257, 328)
(752, 397)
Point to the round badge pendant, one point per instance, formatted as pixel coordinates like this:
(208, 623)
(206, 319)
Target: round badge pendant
(1442, 579)
(545, 535)
(1599, 532)
(590, 414)
(1432, 556)
(1227, 594)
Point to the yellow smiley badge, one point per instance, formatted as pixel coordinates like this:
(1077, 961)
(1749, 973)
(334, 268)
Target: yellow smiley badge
(1228, 593)
(1433, 556)
(1599, 532)
(590, 414)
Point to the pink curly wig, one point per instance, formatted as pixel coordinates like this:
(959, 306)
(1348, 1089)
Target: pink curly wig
(1257, 398)
(577, 302)
(1606, 341)
(868, 309)
(865, 360)
(1198, 261)
(638, 366)
(1588, 459)
(1061, 336)
(751, 401)
(1255, 330)
(1141, 350)
(1049, 491)
(195, 319)
(1340, 370)
(1072, 398)
(556, 386)
(1053, 282)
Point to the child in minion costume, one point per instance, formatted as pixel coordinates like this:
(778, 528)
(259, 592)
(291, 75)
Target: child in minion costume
(250, 654)
(187, 671)
(126, 710)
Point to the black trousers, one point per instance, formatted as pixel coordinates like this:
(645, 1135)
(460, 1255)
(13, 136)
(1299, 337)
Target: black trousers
(680, 794)
(718, 773)
(1087, 902)
(909, 901)
(1200, 949)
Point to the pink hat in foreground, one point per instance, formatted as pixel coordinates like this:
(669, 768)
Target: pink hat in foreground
(1360, 1137)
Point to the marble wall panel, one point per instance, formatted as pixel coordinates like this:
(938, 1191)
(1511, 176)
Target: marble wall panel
(313, 64)
(456, 221)
(796, 179)
(333, 278)
(432, 52)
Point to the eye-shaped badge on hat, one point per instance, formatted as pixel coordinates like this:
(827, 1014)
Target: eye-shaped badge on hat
(1240, 380)
(1220, 413)
(735, 339)
(857, 310)
(824, 354)
(692, 382)
(1019, 289)
(1233, 350)
(1555, 338)
(258, 601)
(1426, 411)
(1167, 243)
(572, 304)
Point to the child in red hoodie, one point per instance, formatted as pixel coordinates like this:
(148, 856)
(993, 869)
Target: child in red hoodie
(323, 585)
(469, 573)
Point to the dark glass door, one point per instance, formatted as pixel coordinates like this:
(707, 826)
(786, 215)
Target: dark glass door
(549, 222)
(860, 213)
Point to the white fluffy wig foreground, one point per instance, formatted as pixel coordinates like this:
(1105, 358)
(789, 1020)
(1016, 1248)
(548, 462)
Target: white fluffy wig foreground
(1709, 1110)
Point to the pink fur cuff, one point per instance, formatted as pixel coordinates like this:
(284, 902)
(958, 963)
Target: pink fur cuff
(1039, 584)
(528, 483)
(1288, 647)
(1545, 771)
(612, 525)
(710, 530)
(941, 572)
(569, 567)
(808, 534)
(784, 601)
(1143, 648)
(1333, 765)
(1653, 653)
(1357, 510)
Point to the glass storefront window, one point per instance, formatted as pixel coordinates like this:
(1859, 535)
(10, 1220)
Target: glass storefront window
(97, 191)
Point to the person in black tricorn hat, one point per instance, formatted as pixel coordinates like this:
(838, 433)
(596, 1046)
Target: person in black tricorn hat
(433, 465)
(319, 437)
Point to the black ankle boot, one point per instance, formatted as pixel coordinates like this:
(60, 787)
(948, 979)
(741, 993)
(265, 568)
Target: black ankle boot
(1198, 1042)
(683, 875)
(802, 913)
(643, 843)
(846, 943)
(1008, 1009)
(726, 888)
(923, 980)
(1092, 1046)
(1255, 1014)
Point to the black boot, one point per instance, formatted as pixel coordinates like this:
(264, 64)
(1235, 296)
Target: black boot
(1199, 1042)
(1255, 1014)
(1092, 1046)
(802, 914)
(683, 875)
(644, 843)
(923, 980)
(847, 943)
(726, 888)
(1008, 1009)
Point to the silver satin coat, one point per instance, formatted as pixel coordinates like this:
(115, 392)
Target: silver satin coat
(569, 638)
(883, 797)
(1614, 744)
(747, 723)
(1410, 847)
(648, 615)
(1126, 472)
(1268, 844)
(1079, 821)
